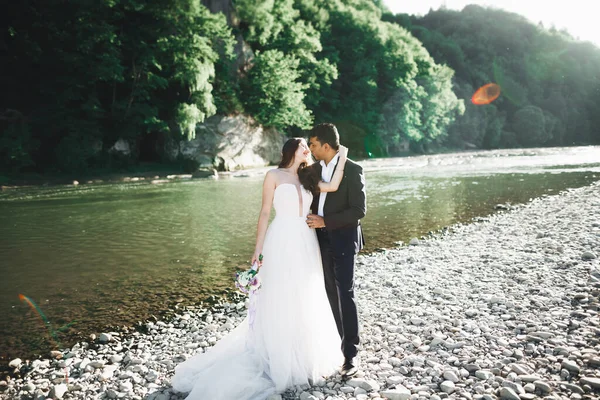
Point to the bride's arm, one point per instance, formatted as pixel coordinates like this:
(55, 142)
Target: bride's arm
(265, 211)
(336, 179)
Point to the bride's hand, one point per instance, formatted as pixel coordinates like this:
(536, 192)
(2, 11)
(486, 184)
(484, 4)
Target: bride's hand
(257, 258)
(343, 151)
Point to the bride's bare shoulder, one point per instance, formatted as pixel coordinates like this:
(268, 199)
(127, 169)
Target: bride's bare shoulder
(273, 175)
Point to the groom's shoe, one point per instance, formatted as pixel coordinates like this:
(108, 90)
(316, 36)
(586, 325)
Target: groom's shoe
(350, 367)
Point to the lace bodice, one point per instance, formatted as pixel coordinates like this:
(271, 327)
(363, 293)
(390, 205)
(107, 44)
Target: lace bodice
(292, 200)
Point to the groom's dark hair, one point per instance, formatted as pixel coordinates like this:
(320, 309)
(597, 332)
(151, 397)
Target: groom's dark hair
(326, 133)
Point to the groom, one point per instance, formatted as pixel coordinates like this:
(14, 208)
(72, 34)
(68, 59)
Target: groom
(336, 218)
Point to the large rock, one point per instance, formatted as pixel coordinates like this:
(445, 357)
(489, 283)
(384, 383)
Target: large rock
(122, 147)
(229, 143)
(222, 6)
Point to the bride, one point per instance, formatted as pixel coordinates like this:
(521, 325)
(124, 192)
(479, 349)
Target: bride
(293, 339)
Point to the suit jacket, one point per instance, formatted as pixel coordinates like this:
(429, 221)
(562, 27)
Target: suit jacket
(344, 209)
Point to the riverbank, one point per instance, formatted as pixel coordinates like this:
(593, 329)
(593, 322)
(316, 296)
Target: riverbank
(156, 171)
(148, 173)
(505, 307)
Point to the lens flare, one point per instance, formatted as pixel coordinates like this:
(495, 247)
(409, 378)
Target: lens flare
(41, 314)
(52, 332)
(486, 94)
(35, 308)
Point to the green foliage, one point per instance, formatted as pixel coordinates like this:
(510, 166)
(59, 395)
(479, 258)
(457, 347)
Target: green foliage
(273, 94)
(94, 72)
(81, 75)
(74, 152)
(277, 25)
(529, 123)
(389, 88)
(549, 82)
(16, 146)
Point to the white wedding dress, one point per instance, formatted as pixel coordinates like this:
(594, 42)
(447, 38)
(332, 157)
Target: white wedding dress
(293, 338)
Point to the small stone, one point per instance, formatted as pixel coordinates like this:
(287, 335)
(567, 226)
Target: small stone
(588, 256)
(573, 388)
(529, 388)
(508, 394)
(529, 378)
(543, 386)
(414, 242)
(594, 362)
(588, 380)
(520, 369)
(400, 393)
(307, 396)
(484, 375)
(362, 383)
(451, 376)
(152, 376)
(29, 387)
(57, 355)
(58, 391)
(126, 386)
(116, 358)
(471, 312)
(16, 363)
(107, 372)
(528, 396)
(105, 338)
(96, 364)
(570, 366)
(395, 380)
(404, 370)
(472, 367)
(518, 389)
(543, 334)
(447, 387)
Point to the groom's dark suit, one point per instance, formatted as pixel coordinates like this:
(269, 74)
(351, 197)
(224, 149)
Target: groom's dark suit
(340, 242)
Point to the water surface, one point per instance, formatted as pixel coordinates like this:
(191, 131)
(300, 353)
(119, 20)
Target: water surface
(114, 254)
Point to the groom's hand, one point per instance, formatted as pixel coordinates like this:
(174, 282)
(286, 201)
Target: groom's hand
(315, 221)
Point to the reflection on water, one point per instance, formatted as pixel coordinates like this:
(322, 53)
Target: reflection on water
(115, 254)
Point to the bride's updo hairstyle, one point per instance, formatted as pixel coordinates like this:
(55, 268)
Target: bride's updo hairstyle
(308, 176)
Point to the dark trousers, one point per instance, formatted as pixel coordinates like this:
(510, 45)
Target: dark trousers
(338, 270)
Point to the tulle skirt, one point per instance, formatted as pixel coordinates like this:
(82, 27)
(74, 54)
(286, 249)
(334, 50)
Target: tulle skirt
(292, 338)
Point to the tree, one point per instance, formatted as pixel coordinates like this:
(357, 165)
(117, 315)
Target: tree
(84, 75)
(535, 67)
(273, 93)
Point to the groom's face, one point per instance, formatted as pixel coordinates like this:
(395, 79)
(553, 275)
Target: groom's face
(316, 148)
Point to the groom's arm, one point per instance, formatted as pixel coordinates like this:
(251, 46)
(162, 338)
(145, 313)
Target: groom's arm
(357, 200)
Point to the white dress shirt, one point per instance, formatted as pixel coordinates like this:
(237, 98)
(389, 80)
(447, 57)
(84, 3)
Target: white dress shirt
(326, 174)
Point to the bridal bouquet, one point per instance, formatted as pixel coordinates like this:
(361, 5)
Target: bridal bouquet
(248, 282)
